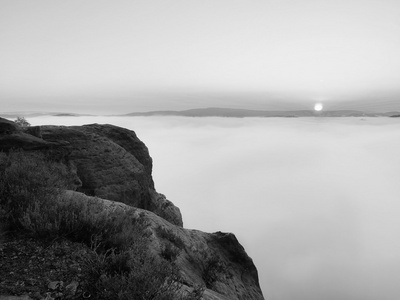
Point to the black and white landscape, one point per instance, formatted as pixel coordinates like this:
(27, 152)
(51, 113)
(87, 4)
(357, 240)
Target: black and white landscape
(277, 120)
(313, 200)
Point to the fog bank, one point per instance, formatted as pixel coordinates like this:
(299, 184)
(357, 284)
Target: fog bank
(315, 201)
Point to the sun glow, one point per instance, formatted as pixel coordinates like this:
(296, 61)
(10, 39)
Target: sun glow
(318, 106)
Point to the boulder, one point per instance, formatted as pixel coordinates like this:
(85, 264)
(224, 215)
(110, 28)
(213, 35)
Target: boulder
(214, 260)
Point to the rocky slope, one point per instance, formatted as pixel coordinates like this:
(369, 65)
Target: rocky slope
(112, 167)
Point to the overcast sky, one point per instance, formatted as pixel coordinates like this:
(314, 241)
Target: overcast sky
(122, 56)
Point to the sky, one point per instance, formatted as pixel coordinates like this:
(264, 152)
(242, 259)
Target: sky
(98, 56)
(314, 201)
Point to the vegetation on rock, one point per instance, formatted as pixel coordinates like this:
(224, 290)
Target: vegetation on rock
(119, 264)
(80, 217)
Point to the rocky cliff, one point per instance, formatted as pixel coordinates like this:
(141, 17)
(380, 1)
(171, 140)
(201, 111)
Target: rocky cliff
(110, 162)
(113, 167)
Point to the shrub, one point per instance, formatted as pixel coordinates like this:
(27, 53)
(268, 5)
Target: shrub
(84, 220)
(134, 272)
(120, 266)
(213, 271)
(21, 121)
(131, 274)
(26, 179)
(170, 252)
(168, 235)
(195, 294)
(32, 198)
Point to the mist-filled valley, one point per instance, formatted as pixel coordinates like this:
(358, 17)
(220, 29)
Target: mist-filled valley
(314, 201)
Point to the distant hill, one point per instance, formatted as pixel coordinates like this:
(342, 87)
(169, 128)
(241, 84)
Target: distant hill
(220, 112)
(32, 114)
(243, 113)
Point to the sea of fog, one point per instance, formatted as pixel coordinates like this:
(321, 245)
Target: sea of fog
(315, 201)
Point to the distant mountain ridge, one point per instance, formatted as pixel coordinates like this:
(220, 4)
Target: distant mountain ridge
(244, 113)
(219, 112)
(32, 114)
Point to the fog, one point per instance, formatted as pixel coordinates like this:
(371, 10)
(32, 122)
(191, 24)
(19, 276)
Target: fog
(315, 201)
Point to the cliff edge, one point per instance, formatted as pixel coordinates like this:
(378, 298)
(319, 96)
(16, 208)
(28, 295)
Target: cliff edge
(111, 167)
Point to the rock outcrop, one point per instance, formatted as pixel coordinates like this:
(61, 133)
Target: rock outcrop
(111, 162)
(214, 260)
(13, 136)
(113, 167)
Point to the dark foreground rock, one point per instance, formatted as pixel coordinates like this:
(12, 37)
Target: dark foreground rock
(113, 169)
(110, 162)
(216, 261)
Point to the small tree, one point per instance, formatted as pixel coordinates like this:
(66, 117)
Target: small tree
(21, 121)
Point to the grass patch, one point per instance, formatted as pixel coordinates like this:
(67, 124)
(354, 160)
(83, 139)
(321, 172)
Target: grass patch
(120, 265)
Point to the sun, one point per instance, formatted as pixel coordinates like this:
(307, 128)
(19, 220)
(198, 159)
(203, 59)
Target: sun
(318, 106)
